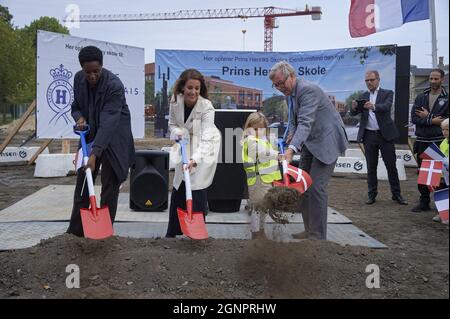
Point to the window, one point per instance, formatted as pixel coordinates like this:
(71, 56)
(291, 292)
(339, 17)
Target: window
(241, 96)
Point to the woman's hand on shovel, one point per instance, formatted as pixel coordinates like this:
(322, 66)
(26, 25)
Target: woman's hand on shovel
(191, 165)
(91, 163)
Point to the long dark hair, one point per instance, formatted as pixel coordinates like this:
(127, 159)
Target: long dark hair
(190, 74)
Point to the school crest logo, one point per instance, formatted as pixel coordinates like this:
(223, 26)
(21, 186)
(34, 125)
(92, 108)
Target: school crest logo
(60, 94)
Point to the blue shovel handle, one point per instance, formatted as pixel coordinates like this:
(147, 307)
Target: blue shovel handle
(82, 134)
(281, 146)
(183, 151)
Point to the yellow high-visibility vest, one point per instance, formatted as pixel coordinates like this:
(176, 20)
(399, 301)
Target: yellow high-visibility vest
(268, 171)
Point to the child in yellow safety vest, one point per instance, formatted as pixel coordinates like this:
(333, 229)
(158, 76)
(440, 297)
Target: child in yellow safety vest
(260, 161)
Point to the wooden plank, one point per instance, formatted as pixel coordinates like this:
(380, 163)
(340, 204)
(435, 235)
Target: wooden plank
(65, 146)
(39, 151)
(19, 124)
(411, 148)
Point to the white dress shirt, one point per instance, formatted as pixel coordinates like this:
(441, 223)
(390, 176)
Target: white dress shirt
(372, 124)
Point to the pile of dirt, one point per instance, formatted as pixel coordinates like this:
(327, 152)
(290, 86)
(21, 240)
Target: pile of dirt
(180, 268)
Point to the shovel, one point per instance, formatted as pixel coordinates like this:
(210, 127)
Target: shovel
(192, 223)
(96, 221)
(302, 179)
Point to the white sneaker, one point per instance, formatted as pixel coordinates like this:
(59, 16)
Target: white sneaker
(437, 219)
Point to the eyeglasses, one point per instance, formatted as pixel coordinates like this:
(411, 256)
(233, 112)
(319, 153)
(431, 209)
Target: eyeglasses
(370, 80)
(280, 84)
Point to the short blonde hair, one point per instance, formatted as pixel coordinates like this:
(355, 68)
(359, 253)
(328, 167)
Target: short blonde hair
(444, 123)
(254, 119)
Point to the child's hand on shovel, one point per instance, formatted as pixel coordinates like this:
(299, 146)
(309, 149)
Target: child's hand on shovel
(281, 157)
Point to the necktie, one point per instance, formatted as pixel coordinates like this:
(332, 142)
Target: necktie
(290, 110)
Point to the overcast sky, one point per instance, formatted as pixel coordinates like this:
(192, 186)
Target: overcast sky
(294, 33)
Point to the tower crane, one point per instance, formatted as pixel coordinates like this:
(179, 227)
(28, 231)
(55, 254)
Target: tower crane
(270, 14)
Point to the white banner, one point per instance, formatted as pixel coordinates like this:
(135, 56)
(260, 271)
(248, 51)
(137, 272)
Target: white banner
(57, 64)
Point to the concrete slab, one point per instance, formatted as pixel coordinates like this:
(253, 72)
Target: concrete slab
(54, 165)
(27, 234)
(54, 203)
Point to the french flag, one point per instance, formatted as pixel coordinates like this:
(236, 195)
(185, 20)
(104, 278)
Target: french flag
(441, 201)
(433, 153)
(371, 16)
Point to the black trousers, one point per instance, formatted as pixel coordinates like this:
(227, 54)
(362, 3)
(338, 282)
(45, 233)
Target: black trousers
(419, 148)
(373, 143)
(109, 194)
(178, 200)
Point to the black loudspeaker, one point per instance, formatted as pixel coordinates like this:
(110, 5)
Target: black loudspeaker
(149, 181)
(229, 185)
(402, 74)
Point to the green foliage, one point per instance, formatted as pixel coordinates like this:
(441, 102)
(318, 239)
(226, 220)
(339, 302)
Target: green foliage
(363, 52)
(18, 51)
(45, 24)
(5, 16)
(149, 92)
(275, 107)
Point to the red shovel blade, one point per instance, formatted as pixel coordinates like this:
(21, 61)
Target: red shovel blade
(96, 226)
(297, 186)
(192, 226)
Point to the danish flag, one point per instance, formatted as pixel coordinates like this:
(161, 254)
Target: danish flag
(430, 173)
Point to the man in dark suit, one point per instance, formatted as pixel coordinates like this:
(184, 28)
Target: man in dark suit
(377, 132)
(100, 102)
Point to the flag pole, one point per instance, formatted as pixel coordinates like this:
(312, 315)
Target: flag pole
(433, 33)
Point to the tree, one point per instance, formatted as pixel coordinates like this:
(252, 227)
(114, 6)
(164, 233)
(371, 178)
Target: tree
(5, 16)
(10, 63)
(363, 52)
(43, 23)
(28, 41)
(149, 92)
(275, 107)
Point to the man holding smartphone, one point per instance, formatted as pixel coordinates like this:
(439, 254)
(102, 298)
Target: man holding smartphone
(377, 132)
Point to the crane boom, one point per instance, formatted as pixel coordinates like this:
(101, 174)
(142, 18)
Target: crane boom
(269, 14)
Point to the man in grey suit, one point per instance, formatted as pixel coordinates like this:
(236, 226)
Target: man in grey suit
(316, 131)
(377, 131)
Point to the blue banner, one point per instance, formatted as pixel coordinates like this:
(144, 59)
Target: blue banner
(240, 79)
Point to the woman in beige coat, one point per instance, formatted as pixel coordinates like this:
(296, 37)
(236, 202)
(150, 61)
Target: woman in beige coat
(191, 118)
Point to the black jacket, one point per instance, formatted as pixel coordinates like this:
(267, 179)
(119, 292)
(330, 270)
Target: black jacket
(113, 136)
(425, 131)
(383, 106)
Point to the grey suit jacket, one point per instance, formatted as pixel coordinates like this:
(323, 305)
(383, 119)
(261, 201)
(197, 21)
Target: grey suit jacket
(316, 124)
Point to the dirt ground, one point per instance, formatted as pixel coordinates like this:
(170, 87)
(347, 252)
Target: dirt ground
(416, 264)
